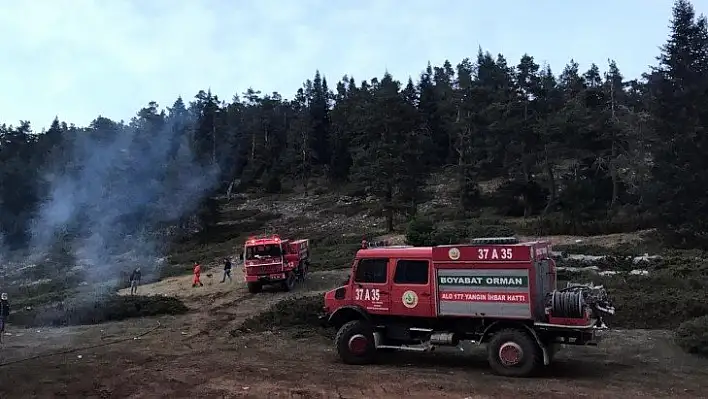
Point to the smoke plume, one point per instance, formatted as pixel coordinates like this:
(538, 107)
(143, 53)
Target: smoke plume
(118, 185)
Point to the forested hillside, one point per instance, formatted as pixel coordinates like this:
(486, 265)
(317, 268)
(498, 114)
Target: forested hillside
(566, 146)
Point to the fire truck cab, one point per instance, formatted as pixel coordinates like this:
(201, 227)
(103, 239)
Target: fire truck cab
(270, 259)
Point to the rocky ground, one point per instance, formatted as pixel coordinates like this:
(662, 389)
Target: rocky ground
(195, 356)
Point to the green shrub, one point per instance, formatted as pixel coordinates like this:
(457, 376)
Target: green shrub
(558, 224)
(450, 234)
(420, 231)
(692, 336)
(480, 230)
(657, 301)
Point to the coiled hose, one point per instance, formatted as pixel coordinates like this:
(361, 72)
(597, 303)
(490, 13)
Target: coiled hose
(569, 304)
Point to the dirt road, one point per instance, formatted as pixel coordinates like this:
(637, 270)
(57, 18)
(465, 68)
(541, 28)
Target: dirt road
(194, 356)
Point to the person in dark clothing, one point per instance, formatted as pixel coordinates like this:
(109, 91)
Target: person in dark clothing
(227, 270)
(135, 281)
(4, 313)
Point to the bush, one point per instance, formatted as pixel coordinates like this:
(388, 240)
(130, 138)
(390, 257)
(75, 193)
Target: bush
(692, 336)
(99, 310)
(658, 301)
(292, 312)
(445, 235)
(481, 230)
(558, 224)
(420, 232)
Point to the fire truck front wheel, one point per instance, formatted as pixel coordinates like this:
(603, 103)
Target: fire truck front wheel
(514, 353)
(289, 283)
(254, 287)
(355, 343)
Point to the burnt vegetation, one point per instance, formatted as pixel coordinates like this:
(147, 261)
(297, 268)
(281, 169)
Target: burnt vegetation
(100, 310)
(520, 148)
(299, 312)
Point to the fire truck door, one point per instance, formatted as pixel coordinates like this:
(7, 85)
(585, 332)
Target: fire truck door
(411, 292)
(372, 288)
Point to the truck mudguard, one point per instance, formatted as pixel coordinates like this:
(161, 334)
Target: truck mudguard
(348, 313)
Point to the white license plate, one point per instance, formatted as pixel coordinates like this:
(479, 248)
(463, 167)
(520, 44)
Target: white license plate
(277, 276)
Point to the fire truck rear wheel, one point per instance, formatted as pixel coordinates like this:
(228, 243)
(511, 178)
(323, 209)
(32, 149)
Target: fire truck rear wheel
(305, 269)
(355, 342)
(514, 353)
(255, 287)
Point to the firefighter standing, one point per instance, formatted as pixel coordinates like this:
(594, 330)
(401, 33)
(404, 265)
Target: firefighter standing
(197, 275)
(134, 281)
(227, 270)
(4, 313)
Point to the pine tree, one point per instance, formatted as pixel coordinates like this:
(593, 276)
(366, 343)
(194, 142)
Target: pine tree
(679, 105)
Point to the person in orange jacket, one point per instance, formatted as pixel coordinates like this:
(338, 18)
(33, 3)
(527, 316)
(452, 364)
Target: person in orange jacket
(197, 275)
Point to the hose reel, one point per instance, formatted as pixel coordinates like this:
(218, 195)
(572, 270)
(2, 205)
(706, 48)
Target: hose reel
(568, 304)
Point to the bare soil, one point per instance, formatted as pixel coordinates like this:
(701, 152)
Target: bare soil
(194, 356)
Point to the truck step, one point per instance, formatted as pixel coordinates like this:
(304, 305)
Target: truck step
(408, 348)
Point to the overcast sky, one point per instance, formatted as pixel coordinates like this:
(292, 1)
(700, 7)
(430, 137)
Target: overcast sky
(81, 58)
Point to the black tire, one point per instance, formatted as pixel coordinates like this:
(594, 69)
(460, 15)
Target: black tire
(289, 283)
(361, 330)
(255, 287)
(305, 269)
(300, 273)
(519, 343)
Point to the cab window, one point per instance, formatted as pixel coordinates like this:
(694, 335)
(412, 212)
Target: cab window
(411, 272)
(263, 251)
(371, 271)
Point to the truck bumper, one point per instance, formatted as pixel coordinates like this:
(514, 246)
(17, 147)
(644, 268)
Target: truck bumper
(323, 319)
(266, 278)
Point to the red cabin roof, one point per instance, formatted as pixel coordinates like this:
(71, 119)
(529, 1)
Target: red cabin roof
(396, 252)
(264, 239)
(503, 249)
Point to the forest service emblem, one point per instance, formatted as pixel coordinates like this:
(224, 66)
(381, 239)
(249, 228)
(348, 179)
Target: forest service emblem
(410, 299)
(454, 253)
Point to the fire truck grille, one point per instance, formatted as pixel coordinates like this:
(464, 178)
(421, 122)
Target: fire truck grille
(267, 269)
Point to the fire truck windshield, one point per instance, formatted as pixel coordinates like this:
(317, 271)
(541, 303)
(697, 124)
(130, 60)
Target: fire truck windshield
(263, 251)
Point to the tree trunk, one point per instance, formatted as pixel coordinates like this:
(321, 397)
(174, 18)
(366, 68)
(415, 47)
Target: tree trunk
(613, 175)
(389, 209)
(213, 144)
(613, 161)
(528, 210)
(551, 185)
(305, 166)
(253, 147)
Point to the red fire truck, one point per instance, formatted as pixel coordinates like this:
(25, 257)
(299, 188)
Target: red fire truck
(497, 291)
(270, 259)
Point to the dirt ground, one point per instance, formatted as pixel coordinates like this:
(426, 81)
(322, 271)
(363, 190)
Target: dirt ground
(194, 356)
